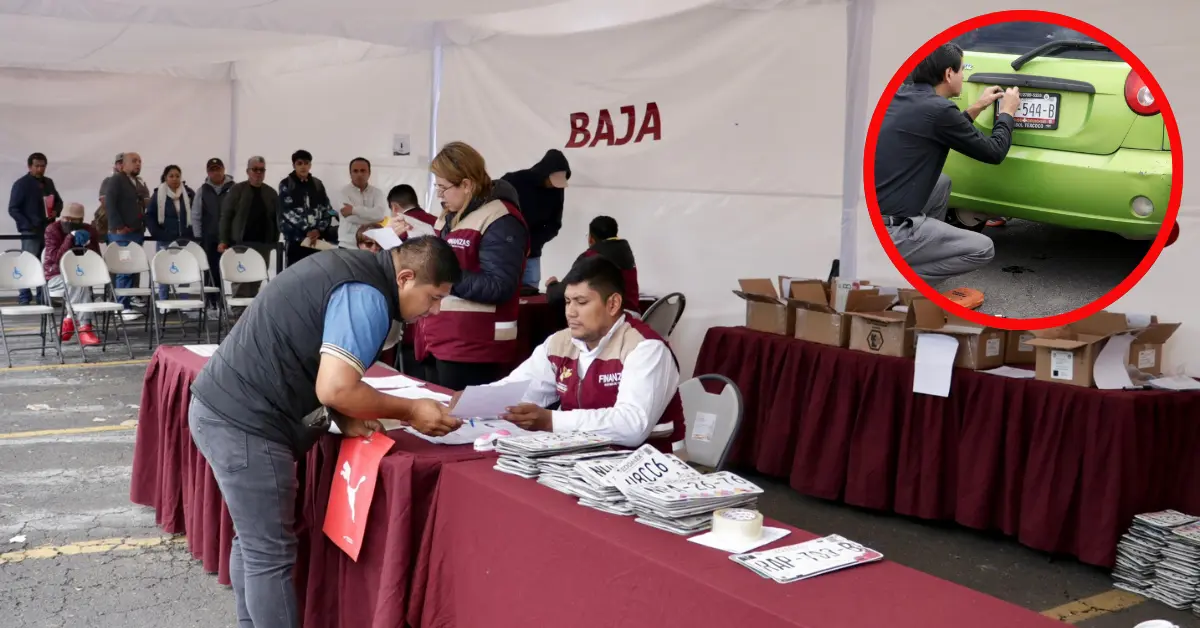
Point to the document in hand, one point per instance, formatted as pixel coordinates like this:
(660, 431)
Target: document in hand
(489, 402)
(384, 237)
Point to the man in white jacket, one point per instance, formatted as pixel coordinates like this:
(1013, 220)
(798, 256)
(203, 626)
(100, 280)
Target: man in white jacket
(361, 204)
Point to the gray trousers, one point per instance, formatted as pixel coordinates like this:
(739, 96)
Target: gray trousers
(257, 478)
(936, 250)
(74, 295)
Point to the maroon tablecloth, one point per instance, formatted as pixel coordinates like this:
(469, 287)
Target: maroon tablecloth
(502, 551)
(372, 593)
(1062, 468)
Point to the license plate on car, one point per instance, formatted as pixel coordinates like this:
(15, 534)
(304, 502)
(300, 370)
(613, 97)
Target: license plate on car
(1038, 110)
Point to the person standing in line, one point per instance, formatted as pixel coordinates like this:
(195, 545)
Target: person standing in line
(248, 218)
(126, 226)
(304, 208)
(169, 218)
(206, 219)
(540, 190)
(361, 203)
(474, 340)
(291, 366)
(33, 204)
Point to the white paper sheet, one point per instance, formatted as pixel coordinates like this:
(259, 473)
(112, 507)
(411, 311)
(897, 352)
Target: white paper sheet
(391, 381)
(416, 228)
(320, 245)
(1013, 372)
(388, 425)
(385, 237)
(1110, 370)
(1138, 321)
(489, 402)
(739, 546)
(470, 431)
(934, 364)
(204, 350)
(417, 392)
(1175, 382)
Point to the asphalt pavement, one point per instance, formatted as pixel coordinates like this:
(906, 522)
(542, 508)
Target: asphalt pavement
(1043, 270)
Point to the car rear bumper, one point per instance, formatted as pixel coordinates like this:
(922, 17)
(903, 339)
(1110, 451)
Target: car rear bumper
(1070, 189)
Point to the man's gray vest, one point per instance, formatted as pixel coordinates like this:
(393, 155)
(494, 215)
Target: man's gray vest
(263, 377)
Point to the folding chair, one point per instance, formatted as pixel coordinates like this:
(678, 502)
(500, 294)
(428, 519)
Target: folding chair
(20, 270)
(208, 284)
(129, 258)
(664, 314)
(240, 264)
(175, 267)
(712, 420)
(83, 268)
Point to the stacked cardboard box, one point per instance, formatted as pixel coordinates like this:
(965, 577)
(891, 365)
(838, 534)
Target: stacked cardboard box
(1068, 354)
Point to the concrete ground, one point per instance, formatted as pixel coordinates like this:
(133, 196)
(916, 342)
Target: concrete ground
(79, 555)
(1043, 270)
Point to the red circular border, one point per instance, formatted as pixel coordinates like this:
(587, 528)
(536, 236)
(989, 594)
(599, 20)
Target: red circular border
(1160, 241)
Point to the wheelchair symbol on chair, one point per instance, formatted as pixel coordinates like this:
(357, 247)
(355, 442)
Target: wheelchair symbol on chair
(17, 273)
(78, 270)
(241, 268)
(173, 269)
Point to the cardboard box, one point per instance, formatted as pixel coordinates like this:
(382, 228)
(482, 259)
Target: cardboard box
(1145, 354)
(882, 333)
(1017, 350)
(765, 310)
(979, 347)
(818, 321)
(1067, 354)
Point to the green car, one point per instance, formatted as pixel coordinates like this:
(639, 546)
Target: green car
(1090, 148)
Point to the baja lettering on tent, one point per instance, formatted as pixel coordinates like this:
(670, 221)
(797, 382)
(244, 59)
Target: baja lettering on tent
(582, 135)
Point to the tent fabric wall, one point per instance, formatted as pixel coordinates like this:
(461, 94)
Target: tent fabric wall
(337, 113)
(746, 180)
(1160, 34)
(81, 120)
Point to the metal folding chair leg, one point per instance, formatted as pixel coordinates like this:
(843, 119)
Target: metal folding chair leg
(4, 340)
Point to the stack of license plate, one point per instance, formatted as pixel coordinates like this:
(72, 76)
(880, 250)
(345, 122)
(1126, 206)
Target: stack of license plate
(519, 455)
(1177, 575)
(561, 472)
(685, 506)
(808, 559)
(1140, 550)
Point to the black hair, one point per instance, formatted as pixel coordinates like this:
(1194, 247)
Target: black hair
(301, 155)
(36, 157)
(602, 228)
(600, 275)
(431, 259)
(932, 69)
(405, 195)
(167, 170)
(362, 159)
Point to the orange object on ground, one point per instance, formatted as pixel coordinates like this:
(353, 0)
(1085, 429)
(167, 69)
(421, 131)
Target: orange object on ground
(969, 298)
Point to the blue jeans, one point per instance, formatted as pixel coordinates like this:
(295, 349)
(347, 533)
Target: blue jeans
(126, 281)
(31, 242)
(533, 272)
(257, 478)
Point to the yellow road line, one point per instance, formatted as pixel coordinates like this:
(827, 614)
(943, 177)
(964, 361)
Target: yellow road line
(1110, 601)
(127, 425)
(38, 367)
(98, 546)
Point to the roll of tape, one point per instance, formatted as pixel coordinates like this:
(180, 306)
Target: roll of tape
(738, 523)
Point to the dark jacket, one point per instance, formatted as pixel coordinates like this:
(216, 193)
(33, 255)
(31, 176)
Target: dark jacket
(27, 205)
(541, 204)
(235, 213)
(57, 244)
(502, 252)
(618, 252)
(303, 206)
(124, 205)
(172, 226)
(206, 210)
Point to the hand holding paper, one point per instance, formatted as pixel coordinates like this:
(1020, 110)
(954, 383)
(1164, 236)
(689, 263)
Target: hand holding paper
(489, 402)
(385, 237)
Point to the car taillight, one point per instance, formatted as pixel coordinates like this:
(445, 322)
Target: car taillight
(1138, 96)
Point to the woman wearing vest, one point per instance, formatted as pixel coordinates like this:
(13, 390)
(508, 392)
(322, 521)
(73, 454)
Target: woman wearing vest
(474, 338)
(610, 373)
(168, 216)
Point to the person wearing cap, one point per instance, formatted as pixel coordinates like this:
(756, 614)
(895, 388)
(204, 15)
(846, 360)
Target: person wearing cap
(540, 191)
(206, 217)
(68, 232)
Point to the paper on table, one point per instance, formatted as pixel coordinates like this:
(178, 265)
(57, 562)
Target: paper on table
(934, 364)
(204, 350)
(1008, 371)
(489, 402)
(1175, 382)
(1110, 371)
(391, 381)
(470, 431)
(388, 425)
(385, 237)
(417, 392)
(739, 546)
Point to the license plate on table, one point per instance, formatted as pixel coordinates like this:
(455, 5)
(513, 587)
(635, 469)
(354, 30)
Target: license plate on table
(1038, 111)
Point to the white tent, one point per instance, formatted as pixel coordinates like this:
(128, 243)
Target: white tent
(763, 105)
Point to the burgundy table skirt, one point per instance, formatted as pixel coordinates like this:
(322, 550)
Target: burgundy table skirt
(1061, 468)
(502, 551)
